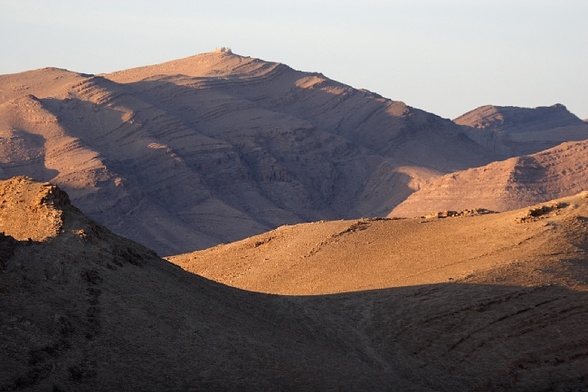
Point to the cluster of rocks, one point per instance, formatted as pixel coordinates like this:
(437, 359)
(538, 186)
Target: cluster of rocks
(543, 211)
(466, 212)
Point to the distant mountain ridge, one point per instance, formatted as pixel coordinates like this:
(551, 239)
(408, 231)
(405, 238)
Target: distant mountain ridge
(217, 147)
(512, 131)
(495, 117)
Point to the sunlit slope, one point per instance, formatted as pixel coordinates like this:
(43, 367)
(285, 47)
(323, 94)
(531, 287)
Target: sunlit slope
(340, 256)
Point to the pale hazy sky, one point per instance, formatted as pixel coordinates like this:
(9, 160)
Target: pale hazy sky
(443, 56)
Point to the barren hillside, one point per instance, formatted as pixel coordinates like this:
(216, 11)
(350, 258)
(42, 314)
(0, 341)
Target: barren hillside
(352, 255)
(216, 147)
(505, 185)
(492, 302)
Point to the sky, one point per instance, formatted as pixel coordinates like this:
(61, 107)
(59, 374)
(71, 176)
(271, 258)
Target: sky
(443, 56)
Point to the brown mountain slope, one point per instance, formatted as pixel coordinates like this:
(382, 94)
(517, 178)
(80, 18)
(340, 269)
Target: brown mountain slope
(512, 131)
(216, 147)
(83, 309)
(505, 185)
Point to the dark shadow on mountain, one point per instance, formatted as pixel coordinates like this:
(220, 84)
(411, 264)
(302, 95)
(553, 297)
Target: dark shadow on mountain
(175, 164)
(23, 154)
(384, 127)
(528, 171)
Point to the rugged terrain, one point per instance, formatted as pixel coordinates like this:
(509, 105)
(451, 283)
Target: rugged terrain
(351, 255)
(474, 302)
(84, 309)
(484, 302)
(218, 147)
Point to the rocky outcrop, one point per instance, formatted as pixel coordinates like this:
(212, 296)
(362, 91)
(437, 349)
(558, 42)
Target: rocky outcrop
(30, 212)
(84, 309)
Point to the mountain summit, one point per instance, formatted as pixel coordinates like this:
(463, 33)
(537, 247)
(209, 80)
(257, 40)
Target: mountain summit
(512, 131)
(216, 147)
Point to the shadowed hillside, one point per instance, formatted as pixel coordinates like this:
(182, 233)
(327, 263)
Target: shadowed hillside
(83, 309)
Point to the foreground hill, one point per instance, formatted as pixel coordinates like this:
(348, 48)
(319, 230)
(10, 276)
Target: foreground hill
(511, 131)
(84, 309)
(505, 185)
(217, 147)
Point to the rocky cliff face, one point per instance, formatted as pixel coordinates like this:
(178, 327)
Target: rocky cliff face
(217, 147)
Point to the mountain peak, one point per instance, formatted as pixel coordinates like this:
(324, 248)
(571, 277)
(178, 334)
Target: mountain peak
(512, 131)
(493, 117)
(220, 63)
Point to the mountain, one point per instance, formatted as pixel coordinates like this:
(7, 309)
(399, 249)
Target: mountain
(217, 147)
(512, 131)
(84, 309)
(505, 185)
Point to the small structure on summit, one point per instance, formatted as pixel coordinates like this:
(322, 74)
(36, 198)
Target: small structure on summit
(223, 49)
